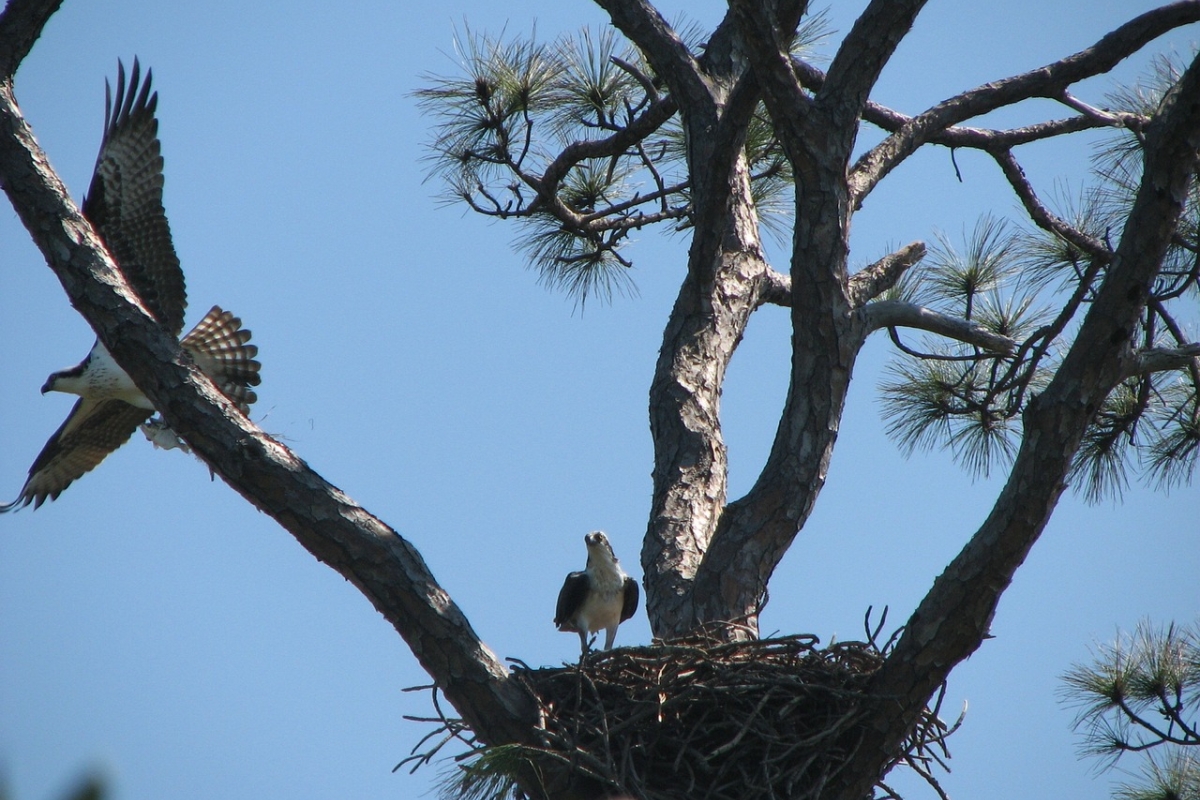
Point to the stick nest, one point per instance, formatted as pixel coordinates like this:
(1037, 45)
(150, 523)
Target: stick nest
(700, 717)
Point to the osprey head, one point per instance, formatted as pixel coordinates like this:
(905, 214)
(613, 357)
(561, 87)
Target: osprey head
(66, 380)
(598, 546)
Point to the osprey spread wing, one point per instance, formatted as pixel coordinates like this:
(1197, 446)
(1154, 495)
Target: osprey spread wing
(124, 204)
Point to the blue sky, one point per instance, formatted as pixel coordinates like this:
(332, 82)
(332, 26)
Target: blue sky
(154, 627)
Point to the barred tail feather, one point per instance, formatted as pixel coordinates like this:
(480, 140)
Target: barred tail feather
(221, 348)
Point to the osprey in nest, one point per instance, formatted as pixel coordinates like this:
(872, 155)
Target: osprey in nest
(599, 598)
(124, 205)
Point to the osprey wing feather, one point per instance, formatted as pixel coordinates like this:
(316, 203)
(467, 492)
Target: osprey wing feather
(124, 204)
(124, 200)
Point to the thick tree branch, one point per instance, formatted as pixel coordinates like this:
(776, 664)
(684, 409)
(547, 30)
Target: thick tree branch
(385, 567)
(783, 94)
(690, 459)
(897, 314)
(754, 532)
(724, 284)
(21, 24)
(952, 620)
(1051, 80)
(860, 60)
(1161, 359)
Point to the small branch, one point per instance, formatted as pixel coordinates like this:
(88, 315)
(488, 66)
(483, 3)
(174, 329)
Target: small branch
(777, 288)
(890, 120)
(1042, 216)
(872, 281)
(1161, 736)
(663, 48)
(635, 221)
(1160, 310)
(895, 313)
(642, 78)
(636, 131)
(590, 220)
(1107, 118)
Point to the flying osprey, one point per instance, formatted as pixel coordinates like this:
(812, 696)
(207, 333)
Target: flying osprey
(124, 204)
(599, 598)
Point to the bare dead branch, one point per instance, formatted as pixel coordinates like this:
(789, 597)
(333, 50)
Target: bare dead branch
(777, 288)
(895, 313)
(870, 282)
(1108, 118)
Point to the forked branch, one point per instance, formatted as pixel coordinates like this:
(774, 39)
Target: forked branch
(1051, 80)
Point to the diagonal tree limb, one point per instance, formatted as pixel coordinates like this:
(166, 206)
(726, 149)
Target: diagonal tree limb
(1042, 216)
(20, 26)
(953, 618)
(1051, 80)
(385, 567)
(890, 120)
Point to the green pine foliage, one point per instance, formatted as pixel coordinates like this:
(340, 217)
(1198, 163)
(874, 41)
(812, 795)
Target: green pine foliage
(1141, 695)
(1006, 280)
(513, 128)
(518, 130)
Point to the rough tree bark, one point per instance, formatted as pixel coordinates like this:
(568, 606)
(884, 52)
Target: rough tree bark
(707, 559)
